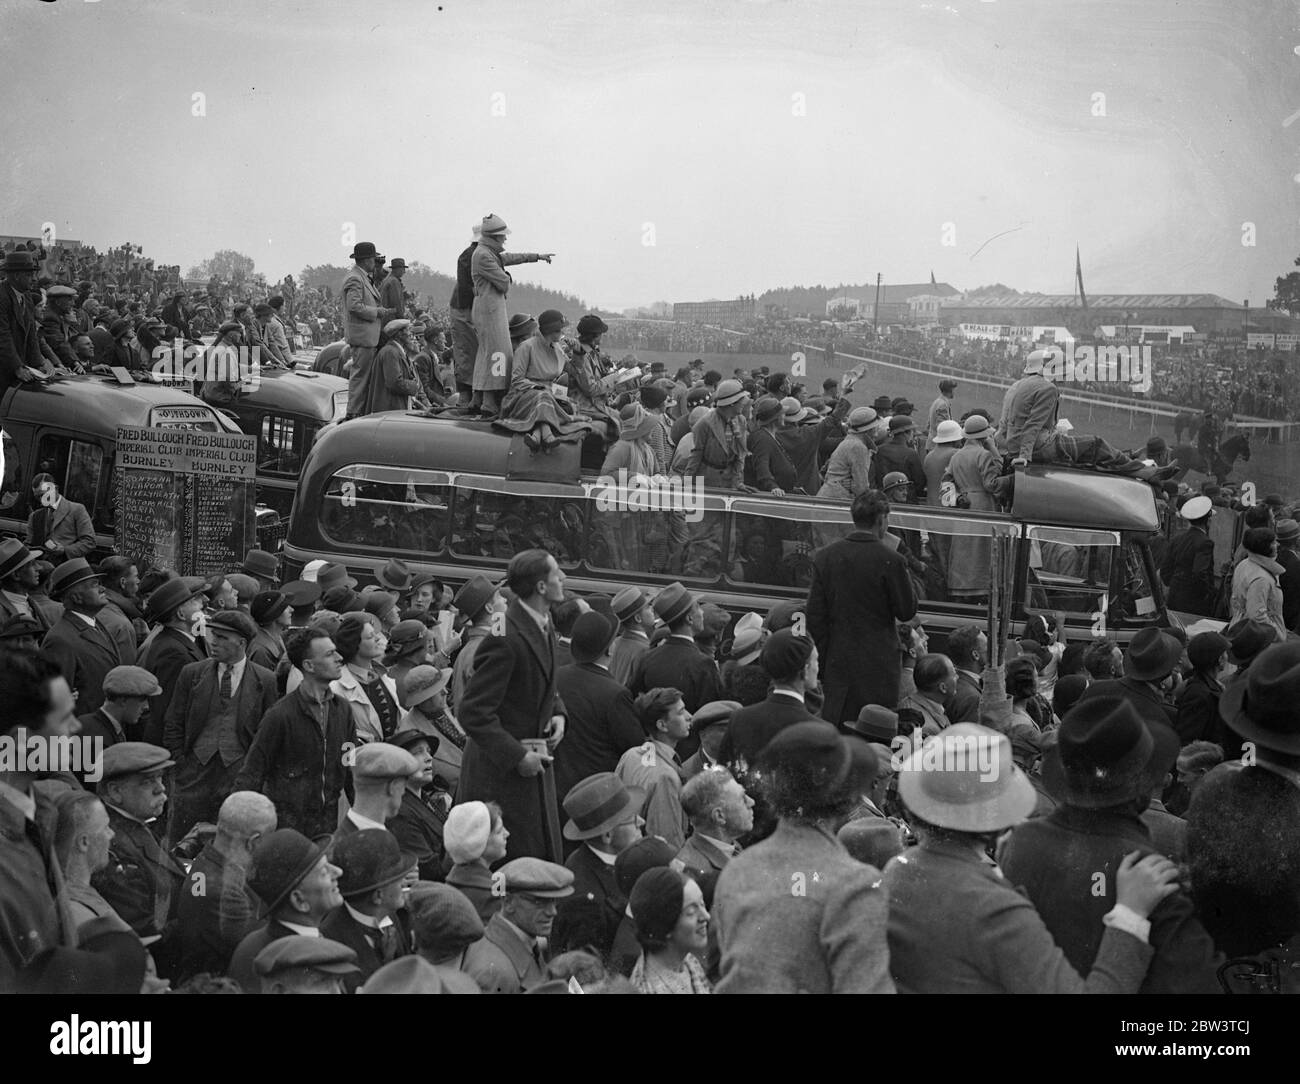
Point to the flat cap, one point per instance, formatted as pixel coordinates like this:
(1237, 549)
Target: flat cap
(379, 760)
(130, 681)
(714, 712)
(315, 953)
(405, 975)
(442, 918)
(537, 877)
(235, 621)
(134, 758)
(60, 291)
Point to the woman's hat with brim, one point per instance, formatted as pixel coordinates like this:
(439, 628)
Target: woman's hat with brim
(729, 393)
(1106, 754)
(976, 426)
(521, 325)
(635, 423)
(1262, 708)
(767, 409)
(965, 779)
(406, 638)
(598, 803)
(862, 418)
(793, 410)
(422, 683)
(551, 320)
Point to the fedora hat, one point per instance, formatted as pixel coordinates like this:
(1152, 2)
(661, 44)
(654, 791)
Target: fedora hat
(476, 593)
(1262, 708)
(673, 603)
(1248, 638)
(875, 723)
(395, 575)
(263, 565)
(965, 779)
(628, 603)
(1152, 655)
(19, 261)
(169, 595)
(598, 803)
(14, 554)
(369, 859)
(747, 645)
(363, 250)
(333, 575)
(71, 573)
(1106, 754)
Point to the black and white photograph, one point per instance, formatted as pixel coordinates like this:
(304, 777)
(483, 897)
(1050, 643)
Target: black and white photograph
(694, 497)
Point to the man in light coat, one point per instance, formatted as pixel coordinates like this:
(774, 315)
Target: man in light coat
(363, 319)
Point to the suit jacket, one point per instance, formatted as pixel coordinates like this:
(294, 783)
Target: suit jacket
(140, 877)
(361, 323)
(340, 926)
(510, 696)
(965, 704)
(1149, 703)
(241, 963)
(678, 664)
(700, 857)
(1188, 572)
(1056, 859)
(499, 961)
(592, 914)
(85, 654)
(860, 588)
(627, 652)
(96, 724)
(754, 726)
(20, 335)
(7, 611)
(801, 933)
(600, 726)
(68, 526)
(217, 910)
(391, 296)
(165, 657)
(266, 650)
(196, 696)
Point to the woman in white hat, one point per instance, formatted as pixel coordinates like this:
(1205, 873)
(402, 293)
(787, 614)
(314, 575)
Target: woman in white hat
(956, 925)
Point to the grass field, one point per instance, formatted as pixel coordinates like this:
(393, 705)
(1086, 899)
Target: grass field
(1274, 468)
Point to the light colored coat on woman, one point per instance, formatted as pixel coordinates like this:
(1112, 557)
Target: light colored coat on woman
(975, 472)
(1256, 592)
(491, 321)
(349, 687)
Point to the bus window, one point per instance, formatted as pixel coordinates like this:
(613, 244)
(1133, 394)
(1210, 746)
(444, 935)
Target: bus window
(75, 465)
(11, 486)
(1069, 570)
(281, 444)
(657, 537)
(496, 526)
(410, 517)
(772, 551)
(1135, 601)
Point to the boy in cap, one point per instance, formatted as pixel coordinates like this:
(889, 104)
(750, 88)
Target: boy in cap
(216, 709)
(371, 884)
(636, 617)
(127, 691)
(509, 959)
(305, 965)
(654, 768)
(379, 775)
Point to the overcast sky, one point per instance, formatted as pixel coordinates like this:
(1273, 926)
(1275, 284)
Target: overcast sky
(671, 150)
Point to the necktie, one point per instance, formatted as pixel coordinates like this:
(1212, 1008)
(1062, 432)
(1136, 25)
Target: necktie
(226, 689)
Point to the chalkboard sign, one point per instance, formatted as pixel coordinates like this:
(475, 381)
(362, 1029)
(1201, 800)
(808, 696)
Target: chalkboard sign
(185, 500)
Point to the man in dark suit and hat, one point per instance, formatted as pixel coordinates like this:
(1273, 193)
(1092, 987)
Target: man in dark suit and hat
(1188, 567)
(18, 578)
(511, 697)
(81, 646)
(174, 644)
(1149, 674)
(20, 333)
(601, 723)
(127, 692)
(215, 710)
(298, 885)
(860, 588)
(1107, 762)
(363, 318)
(677, 662)
(61, 529)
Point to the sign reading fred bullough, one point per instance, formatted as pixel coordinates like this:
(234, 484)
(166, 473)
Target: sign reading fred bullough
(185, 500)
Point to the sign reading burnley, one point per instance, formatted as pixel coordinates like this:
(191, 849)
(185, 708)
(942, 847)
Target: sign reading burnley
(185, 500)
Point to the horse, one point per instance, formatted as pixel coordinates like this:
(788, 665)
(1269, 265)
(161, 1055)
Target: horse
(1188, 457)
(1189, 420)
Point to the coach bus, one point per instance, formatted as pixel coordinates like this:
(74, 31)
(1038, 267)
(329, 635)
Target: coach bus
(455, 497)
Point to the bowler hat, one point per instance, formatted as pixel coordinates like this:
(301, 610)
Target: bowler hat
(332, 575)
(628, 603)
(1263, 707)
(883, 404)
(71, 573)
(599, 803)
(363, 250)
(235, 621)
(20, 260)
(813, 747)
(1106, 754)
(592, 634)
(369, 859)
(673, 603)
(1152, 655)
(875, 723)
(394, 574)
(171, 594)
(282, 859)
(261, 564)
(474, 594)
(14, 554)
(268, 605)
(965, 779)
